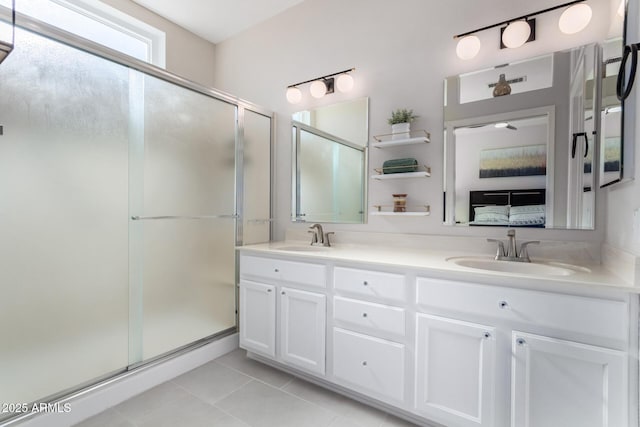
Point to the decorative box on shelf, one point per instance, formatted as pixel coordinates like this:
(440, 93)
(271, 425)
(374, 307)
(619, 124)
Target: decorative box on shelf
(412, 138)
(387, 210)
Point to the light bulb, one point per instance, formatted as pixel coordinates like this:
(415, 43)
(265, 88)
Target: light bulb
(468, 47)
(575, 19)
(344, 83)
(516, 34)
(294, 95)
(318, 89)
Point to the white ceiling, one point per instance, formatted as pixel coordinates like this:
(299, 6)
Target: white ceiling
(217, 20)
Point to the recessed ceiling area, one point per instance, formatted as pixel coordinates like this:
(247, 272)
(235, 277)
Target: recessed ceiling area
(217, 20)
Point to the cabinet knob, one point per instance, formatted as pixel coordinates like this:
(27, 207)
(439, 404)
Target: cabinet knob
(364, 363)
(365, 283)
(283, 293)
(276, 270)
(268, 290)
(521, 341)
(364, 314)
(487, 335)
(503, 304)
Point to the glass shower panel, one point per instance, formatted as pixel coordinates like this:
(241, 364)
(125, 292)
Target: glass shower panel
(63, 219)
(188, 217)
(257, 178)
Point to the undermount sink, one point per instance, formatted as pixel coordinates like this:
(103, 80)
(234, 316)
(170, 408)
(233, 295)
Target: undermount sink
(534, 268)
(303, 248)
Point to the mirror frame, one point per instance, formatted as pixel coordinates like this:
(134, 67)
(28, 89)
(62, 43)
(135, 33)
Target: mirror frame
(295, 167)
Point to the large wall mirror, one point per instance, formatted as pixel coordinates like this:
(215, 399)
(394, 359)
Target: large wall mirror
(330, 163)
(535, 157)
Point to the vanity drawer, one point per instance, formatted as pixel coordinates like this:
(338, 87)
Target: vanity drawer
(584, 315)
(369, 316)
(370, 283)
(369, 363)
(303, 273)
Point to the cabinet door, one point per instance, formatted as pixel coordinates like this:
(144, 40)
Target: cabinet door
(455, 371)
(302, 329)
(566, 384)
(258, 317)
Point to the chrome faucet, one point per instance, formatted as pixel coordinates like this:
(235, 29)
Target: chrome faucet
(511, 252)
(319, 236)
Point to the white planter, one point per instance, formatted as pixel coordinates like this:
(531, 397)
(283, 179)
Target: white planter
(400, 130)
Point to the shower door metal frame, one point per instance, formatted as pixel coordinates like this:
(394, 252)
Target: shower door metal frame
(46, 30)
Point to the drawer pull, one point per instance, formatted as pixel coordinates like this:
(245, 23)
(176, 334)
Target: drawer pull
(364, 314)
(487, 335)
(521, 341)
(503, 304)
(364, 363)
(276, 270)
(365, 283)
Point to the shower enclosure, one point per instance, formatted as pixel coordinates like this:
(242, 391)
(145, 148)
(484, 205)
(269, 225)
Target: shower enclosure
(123, 192)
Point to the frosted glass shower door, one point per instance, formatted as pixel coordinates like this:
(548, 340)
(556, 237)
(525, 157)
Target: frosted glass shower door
(187, 217)
(63, 219)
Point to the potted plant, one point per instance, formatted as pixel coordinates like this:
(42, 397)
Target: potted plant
(400, 122)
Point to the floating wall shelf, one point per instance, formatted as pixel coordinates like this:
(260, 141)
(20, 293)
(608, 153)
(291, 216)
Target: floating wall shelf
(426, 173)
(412, 138)
(387, 210)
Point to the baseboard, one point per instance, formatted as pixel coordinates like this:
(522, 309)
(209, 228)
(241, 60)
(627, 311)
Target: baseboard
(117, 390)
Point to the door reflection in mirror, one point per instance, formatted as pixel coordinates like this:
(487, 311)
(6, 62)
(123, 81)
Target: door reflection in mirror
(330, 157)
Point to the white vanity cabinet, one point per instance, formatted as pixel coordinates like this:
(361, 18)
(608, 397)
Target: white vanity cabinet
(565, 355)
(451, 352)
(282, 316)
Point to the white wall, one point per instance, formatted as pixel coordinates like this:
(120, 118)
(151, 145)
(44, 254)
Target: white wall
(188, 55)
(402, 51)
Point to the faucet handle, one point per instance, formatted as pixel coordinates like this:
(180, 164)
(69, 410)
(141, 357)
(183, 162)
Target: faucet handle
(500, 251)
(524, 253)
(314, 238)
(327, 242)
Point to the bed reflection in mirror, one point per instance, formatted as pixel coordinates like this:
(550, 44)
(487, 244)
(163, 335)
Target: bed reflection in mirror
(501, 178)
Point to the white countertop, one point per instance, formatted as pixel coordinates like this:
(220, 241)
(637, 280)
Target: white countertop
(434, 264)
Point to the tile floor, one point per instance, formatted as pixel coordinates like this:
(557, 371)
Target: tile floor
(234, 391)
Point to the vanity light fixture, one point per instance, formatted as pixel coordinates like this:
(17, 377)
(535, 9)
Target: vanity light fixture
(522, 29)
(321, 86)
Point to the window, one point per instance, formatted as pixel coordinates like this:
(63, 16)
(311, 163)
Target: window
(100, 23)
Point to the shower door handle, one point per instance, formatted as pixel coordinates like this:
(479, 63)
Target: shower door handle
(147, 218)
(575, 143)
(623, 92)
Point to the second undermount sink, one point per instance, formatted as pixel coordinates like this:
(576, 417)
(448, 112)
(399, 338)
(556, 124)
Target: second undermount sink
(303, 248)
(534, 268)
